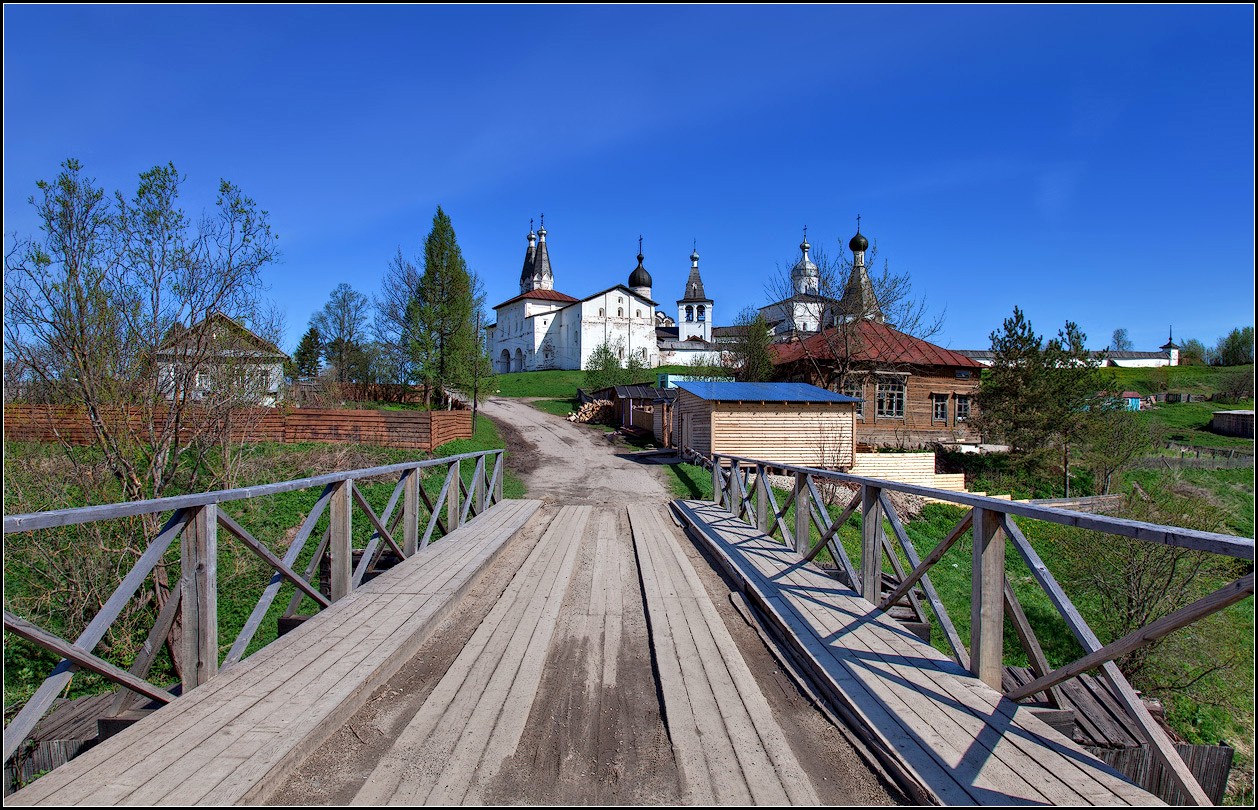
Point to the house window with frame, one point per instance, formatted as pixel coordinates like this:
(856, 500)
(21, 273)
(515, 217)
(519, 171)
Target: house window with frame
(890, 398)
(939, 408)
(963, 408)
(856, 390)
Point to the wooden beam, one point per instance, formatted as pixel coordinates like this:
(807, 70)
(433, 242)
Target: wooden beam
(198, 583)
(763, 519)
(1162, 747)
(144, 660)
(935, 555)
(871, 545)
(24, 723)
(281, 567)
(376, 521)
(959, 653)
(803, 516)
(453, 514)
(987, 615)
(83, 658)
(1227, 595)
(410, 512)
(830, 534)
(340, 542)
(1030, 642)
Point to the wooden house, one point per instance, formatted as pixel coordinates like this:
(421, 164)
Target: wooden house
(792, 423)
(914, 393)
(217, 357)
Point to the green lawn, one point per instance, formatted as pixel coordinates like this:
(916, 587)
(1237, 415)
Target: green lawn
(1189, 423)
(1184, 379)
(561, 384)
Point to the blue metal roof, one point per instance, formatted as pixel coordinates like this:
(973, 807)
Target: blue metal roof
(762, 392)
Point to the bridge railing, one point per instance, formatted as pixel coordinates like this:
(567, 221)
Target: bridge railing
(196, 519)
(741, 485)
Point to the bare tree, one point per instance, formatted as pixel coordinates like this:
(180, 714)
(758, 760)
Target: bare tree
(835, 294)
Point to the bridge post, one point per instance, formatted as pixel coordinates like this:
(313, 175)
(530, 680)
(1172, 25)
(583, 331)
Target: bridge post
(340, 550)
(198, 584)
(987, 590)
(410, 512)
(802, 517)
(871, 543)
(762, 501)
(500, 472)
(478, 487)
(733, 502)
(453, 513)
(716, 479)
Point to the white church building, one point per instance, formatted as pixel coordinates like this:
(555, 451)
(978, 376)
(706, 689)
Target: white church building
(542, 328)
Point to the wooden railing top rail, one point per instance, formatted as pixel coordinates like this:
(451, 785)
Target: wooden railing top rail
(87, 514)
(1217, 543)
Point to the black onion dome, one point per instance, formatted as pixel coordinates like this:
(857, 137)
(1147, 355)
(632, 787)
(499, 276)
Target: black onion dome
(858, 243)
(639, 277)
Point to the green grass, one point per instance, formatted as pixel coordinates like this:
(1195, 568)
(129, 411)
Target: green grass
(1183, 379)
(561, 384)
(559, 407)
(1189, 423)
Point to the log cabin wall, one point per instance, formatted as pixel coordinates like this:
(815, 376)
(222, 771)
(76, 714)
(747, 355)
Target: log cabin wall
(918, 427)
(694, 415)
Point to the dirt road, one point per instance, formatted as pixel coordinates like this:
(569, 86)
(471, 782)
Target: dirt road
(565, 463)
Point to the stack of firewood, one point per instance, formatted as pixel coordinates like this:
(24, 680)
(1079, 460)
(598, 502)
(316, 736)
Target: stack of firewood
(598, 411)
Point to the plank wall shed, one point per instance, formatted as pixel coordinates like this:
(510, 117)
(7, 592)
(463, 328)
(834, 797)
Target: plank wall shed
(791, 423)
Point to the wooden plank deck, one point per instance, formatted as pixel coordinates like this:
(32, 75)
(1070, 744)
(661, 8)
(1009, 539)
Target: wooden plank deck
(230, 740)
(473, 720)
(953, 739)
(728, 746)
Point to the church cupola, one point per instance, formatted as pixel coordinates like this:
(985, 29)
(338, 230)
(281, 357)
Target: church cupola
(526, 275)
(858, 301)
(543, 278)
(694, 308)
(640, 279)
(805, 275)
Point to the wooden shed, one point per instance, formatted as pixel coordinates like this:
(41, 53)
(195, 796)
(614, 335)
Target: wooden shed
(791, 423)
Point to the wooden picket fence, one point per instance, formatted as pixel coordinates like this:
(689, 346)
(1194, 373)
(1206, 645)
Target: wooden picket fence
(742, 486)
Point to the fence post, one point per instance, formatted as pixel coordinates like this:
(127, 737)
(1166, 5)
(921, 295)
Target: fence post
(762, 500)
(410, 512)
(478, 487)
(733, 502)
(453, 512)
(340, 549)
(501, 473)
(716, 479)
(871, 543)
(198, 583)
(987, 588)
(802, 516)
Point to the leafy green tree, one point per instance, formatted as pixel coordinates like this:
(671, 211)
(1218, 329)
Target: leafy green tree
(1236, 348)
(750, 351)
(446, 348)
(342, 324)
(306, 357)
(1040, 398)
(603, 369)
(1193, 353)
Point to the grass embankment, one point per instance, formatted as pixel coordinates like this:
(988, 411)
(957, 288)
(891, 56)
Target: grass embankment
(1204, 704)
(556, 391)
(59, 577)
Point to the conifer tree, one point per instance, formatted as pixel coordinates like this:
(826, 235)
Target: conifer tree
(445, 347)
(306, 357)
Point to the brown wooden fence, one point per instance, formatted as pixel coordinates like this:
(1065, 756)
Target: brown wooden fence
(416, 430)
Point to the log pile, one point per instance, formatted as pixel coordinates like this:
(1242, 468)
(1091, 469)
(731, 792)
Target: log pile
(596, 411)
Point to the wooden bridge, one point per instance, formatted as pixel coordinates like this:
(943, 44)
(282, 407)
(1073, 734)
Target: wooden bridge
(936, 728)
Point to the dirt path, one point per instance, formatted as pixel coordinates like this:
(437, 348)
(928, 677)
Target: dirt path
(565, 463)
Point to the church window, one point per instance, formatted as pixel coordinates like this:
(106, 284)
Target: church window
(620, 312)
(600, 312)
(690, 314)
(637, 313)
(703, 312)
(890, 398)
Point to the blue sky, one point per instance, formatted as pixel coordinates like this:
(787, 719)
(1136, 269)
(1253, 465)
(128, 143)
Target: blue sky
(1091, 163)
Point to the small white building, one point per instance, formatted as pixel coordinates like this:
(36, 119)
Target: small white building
(219, 357)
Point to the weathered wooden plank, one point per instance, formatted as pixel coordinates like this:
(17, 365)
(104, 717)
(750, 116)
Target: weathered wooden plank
(871, 545)
(152, 644)
(987, 614)
(259, 548)
(920, 568)
(1227, 595)
(340, 541)
(198, 582)
(1157, 738)
(82, 658)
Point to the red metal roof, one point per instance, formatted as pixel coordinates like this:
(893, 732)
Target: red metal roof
(870, 342)
(542, 295)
